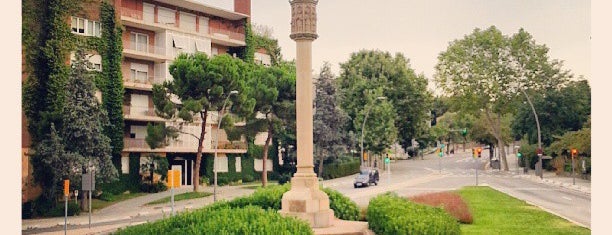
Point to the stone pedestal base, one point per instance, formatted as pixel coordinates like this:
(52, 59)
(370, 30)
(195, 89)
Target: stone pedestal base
(306, 201)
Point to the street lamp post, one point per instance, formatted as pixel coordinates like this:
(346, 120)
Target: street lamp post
(217, 144)
(363, 126)
(539, 134)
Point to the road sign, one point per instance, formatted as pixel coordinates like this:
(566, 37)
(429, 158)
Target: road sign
(66, 188)
(174, 178)
(88, 182)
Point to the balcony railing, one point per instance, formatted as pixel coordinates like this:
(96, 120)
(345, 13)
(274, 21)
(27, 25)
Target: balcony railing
(148, 81)
(230, 34)
(230, 145)
(145, 48)
(135, 143)
(136, 14)
(138, 111)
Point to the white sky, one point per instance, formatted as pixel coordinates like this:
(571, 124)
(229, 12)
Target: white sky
(422, 29)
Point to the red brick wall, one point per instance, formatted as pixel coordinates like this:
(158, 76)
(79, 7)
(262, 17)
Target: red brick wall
(242, 6)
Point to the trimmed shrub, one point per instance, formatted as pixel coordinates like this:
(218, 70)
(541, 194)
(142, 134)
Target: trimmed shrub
(342, 206)
(391, 214)
(153, 188)
(58, 211)
(106, 197)
(340, 168)
(450, 202)
(221, 219)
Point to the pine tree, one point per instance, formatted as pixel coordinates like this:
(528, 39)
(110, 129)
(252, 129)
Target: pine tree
(329, 119)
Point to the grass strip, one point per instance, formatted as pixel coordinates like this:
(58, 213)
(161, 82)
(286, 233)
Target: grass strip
(180, 197)
(498, 213)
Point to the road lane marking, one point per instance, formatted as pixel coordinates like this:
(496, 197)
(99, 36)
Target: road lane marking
(566, 198)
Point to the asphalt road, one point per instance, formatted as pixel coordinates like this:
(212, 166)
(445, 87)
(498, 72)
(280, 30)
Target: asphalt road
(413, 177)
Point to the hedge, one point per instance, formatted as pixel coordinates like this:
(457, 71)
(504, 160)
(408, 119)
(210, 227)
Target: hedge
(221, 219)
(391, 214)
(340, 168)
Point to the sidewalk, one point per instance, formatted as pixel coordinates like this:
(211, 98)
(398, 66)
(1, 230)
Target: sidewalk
(135, 207)
(549, 178)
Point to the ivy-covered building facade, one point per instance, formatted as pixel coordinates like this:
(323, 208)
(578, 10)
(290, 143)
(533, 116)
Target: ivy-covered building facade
(149, 34)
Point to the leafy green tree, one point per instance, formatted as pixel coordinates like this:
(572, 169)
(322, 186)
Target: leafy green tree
(380, 131)
(487, 72)
(559, 110)
(273, 89)
(200, 85)
(580, 140)
(80, 143)
(329, 118)
(390, 76)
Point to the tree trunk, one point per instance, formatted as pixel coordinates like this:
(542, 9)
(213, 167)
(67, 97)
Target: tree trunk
(496, 131)
(196, 166)
(264, 172)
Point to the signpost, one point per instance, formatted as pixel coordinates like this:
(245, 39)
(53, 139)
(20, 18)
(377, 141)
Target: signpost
(88, 183)
(440, 154)
(574, 154)
(174, 181)
(66, 193)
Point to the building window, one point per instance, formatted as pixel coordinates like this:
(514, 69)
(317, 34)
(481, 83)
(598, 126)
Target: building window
(94, 60)
(139, 41)
(139, 72)
(85, 27)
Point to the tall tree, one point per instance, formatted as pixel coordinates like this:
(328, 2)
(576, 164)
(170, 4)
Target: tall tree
(329, 118)
(112, 89)
(487, 72)
(200, 85)
(273, 89)
(80, 143)
(391, 76)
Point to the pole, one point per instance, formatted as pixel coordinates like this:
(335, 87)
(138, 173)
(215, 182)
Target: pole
(90, 183)
(362, 133)
(539, 134)
(65, 215)
(477, 166)
(573, 173)
(172, 191)
(89, 202)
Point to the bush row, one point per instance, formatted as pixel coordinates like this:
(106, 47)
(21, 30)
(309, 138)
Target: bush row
(391, 214)
(222, 219)
(340, 168)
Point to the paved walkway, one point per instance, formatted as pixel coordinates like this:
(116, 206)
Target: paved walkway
(134, 208)
(550, 178)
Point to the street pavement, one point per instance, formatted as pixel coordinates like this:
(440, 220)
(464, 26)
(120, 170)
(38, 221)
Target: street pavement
(555, 194)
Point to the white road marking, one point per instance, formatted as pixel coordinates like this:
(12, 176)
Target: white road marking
(566, 198)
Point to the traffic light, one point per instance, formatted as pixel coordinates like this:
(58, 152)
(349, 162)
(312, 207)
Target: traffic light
(574, 153)
(365, 156)
(479, 151)
(519, 155)
(464, 132)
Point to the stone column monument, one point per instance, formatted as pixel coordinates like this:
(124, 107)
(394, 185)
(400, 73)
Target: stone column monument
(305, 200)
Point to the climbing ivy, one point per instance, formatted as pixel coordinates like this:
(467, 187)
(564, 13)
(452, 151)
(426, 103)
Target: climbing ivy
(47, 42)
(112, 82)
(270, 45)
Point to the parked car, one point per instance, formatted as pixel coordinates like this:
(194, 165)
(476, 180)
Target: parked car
(366, 177)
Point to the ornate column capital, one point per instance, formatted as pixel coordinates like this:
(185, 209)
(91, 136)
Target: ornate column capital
(303, 19)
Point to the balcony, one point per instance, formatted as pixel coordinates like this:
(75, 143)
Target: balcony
(143, 51)
(140, 145)
(140, 84)
(140, 114)
(226, 37)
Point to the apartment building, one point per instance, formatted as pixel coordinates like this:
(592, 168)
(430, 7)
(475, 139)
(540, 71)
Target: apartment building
(155, 32)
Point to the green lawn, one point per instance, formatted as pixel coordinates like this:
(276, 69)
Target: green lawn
(99, 204)
(180, 197)
(257, 184)
(498, 213)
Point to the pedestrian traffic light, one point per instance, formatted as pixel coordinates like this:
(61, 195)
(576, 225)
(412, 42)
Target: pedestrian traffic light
(365, 156)
(574, 153)
(519, 155)
(464, 132)
(479, 151)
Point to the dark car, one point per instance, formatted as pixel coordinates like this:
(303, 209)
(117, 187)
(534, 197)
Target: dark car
(366, 177)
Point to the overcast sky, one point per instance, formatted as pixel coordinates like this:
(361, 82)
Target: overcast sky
(422, 29)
